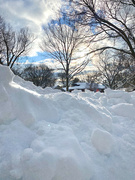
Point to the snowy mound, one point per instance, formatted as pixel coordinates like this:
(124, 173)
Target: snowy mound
(53, 135)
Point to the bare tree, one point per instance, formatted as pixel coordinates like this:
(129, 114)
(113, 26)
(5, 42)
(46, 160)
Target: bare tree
(75, 80)
(110, 20)
(13, 44)
(1, 41)
(115, 70)
(40, 75)
(94, 77)
(62, 77)
(63, 41)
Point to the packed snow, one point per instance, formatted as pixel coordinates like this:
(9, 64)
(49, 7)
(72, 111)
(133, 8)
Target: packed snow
(53, 135)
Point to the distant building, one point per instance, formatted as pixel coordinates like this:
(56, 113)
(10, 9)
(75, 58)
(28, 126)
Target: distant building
(87, 86)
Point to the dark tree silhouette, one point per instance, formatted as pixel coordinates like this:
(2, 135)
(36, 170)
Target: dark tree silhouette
(110, 21)
(13, 44)
(40, 75)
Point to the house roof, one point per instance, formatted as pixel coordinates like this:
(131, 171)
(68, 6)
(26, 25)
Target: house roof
(81, 86)
(100, 86)
(78, 86)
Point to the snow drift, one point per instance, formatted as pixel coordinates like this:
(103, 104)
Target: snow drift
(52, 135)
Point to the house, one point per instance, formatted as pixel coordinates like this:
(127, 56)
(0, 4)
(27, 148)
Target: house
(89, 86)
(79, 86)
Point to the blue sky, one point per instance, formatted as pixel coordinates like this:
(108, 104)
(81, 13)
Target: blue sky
(39, 57)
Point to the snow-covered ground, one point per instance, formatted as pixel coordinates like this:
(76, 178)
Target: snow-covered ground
(53, 135)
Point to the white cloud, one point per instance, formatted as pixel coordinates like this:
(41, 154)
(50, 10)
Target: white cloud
(29, 13)
(24, 11)
(48, 62)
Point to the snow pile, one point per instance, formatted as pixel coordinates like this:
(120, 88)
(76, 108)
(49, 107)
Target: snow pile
(53, 135)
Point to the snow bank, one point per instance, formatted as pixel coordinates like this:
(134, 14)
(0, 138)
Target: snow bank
(124, 109)
(53, 135)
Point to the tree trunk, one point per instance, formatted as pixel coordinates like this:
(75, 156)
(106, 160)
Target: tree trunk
(67, 77)
(67, 83)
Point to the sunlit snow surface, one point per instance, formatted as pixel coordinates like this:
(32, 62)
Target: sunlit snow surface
(53, 135)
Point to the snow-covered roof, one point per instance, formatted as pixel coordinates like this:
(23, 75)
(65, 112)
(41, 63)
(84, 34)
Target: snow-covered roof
(78, 86)
(100, 86)
(81, 85)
